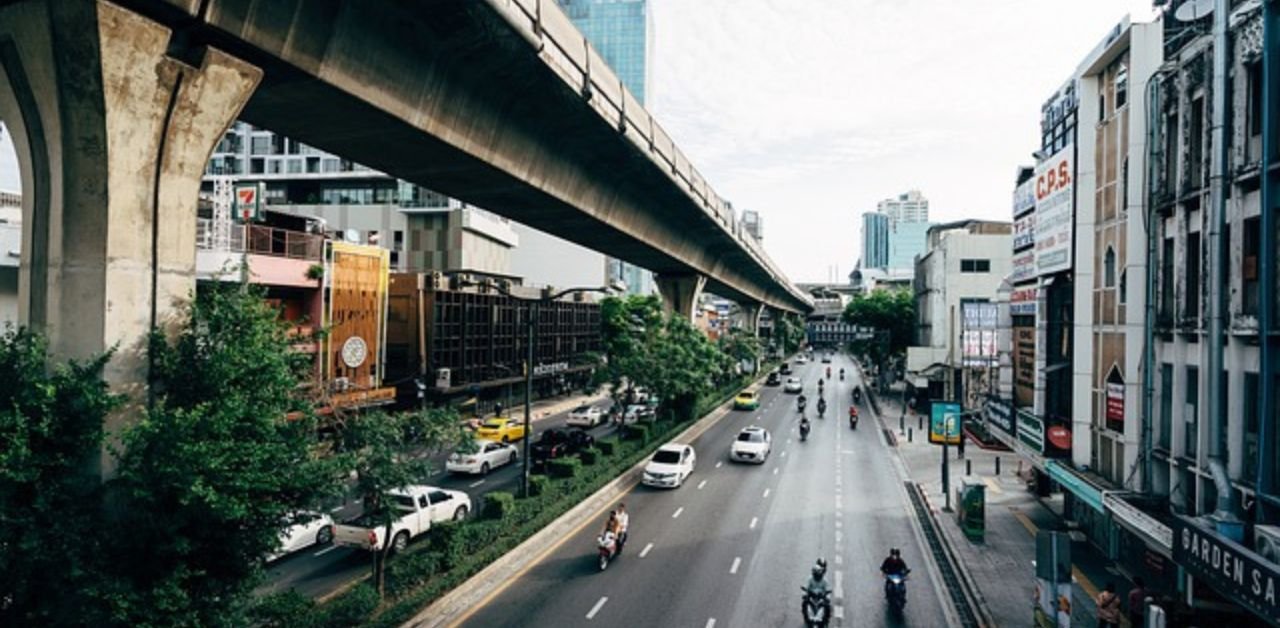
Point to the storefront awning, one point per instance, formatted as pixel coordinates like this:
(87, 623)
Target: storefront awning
(1155, 534)
(1074, 482)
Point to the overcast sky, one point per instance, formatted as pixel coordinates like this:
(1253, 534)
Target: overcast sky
(810, 111)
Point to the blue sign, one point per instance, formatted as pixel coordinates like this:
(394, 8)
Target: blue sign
(944, 423)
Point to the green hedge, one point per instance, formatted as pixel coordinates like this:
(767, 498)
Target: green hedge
(563, 467)
(589, 456)
(636, 432)
(457, 551)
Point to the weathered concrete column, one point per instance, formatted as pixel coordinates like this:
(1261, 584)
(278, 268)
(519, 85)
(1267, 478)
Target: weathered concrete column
(751, 316)
(112, 135)
(680, 293)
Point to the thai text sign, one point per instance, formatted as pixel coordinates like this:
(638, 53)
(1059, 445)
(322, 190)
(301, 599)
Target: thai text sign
(1228, 567)
(1024, 268)
(1115, 406)
(1024, 231)
(1054, 216)
(1024, 198)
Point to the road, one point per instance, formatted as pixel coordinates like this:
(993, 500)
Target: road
(734, 545)
(319, 570)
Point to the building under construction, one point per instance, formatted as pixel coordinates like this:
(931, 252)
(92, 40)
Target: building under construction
(458, 339)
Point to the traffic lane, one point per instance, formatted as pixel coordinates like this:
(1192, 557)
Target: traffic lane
(565, 587)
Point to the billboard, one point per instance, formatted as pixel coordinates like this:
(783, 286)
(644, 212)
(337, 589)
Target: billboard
(1024, 198)
(1022, 302)
(1023, 268)
(355, 292)
(944, 423)
(248, 200)
(1024, 231)
(1233, 570)
(1054, 219)
(978, 333)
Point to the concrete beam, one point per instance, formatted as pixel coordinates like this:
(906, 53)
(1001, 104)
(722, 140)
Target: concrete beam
(112, 135)
(680, 293)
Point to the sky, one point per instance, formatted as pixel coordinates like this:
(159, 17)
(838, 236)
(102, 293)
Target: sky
(810, 111)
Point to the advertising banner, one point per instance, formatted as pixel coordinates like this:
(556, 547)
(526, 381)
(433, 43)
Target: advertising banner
(1054, 216)
(1024, 198)
(248, 199)
(1023, 302)
(356, 288)
(1024, 365)
(1053, 579)
(1231, 569)
(1024, 268)
(1024, 231)
(1000, 414)
(944, 423)
(1031, 430)
(1115, 406)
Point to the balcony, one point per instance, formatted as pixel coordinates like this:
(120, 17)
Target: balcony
(275, 256)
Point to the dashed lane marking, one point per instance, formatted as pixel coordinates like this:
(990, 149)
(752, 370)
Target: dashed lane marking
(596, 609)
(775, 470)
(702, 484)
(325, 550)
(711, 623)
(475, 484)
(676, 514)
(645, 552)
(753, 523)
(766, 493)
(719, 463)
(737, 560)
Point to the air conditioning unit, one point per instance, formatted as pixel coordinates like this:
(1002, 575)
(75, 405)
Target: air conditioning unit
(1266, 541)
(434, 281)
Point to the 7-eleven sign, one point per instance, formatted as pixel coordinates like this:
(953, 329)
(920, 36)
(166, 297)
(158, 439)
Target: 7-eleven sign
(249, 200)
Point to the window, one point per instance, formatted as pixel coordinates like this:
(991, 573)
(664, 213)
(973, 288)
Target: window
(397, 240)
(260, 146)
(1109, 268)
(1195, 153)
(1252, 418)
(975, 265)
(1170, 154)
(438, 497)
(1166, 281)
(1254, 77)
(1249, 264)
(1165, 434)
(295, 166)
(1192, 301)
(1190, 412)
(256, 165)
(1122, 86)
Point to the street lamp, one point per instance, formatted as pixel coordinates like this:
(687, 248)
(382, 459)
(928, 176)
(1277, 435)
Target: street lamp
(531, 318)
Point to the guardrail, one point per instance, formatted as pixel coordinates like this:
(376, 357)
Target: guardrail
(261, 240)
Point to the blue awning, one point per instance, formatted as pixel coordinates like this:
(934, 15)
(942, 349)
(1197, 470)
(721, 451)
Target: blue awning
(1071, 481)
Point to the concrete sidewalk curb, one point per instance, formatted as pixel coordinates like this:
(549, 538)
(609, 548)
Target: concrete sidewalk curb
(454, 606)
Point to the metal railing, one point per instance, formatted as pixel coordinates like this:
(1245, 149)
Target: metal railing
(261, 240)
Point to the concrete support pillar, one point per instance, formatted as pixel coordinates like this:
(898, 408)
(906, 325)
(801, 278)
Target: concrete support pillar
(680, 293)
(112, 134)
(751, 316)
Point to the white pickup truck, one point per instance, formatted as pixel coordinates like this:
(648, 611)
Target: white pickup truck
(419, 507)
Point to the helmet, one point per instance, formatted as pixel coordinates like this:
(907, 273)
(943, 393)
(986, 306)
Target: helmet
(821, 564)
(818, 572)
(895, 552)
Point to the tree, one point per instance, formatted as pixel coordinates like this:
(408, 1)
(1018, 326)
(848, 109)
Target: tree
(214, 471)
(50, 497)
(893, 311)
(388, 451)
(789, 332)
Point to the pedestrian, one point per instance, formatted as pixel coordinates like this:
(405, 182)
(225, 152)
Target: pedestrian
(1108, 607)
(1137, 602)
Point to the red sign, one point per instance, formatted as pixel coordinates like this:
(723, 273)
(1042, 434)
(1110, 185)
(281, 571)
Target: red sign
(1059, 437)
(1115, 406)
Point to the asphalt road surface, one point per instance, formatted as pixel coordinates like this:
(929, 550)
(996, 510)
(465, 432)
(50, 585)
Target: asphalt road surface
(319, 570)
(734, 545)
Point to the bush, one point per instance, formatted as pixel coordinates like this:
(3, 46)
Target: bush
(590, 455)
(607, 446)
(352, 608)
(498, 505)
(455, 542)
(538, 484)
(564, 467)
(287, 609)
(411, 569)
(637, 432)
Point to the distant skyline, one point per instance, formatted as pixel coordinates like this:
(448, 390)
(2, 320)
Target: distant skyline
(811, 112)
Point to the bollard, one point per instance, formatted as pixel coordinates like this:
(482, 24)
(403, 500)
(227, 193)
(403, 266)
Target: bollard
(910, 433)
(968, 466)
(997, 465)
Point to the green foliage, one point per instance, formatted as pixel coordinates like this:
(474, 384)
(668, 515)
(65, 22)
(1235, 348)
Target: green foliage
(286, 609)
(607, 446)
(411, 569)
(589, 455)
(893, 311)
(563, 467)
(315, 271)
(208, 478)
(741, 345)
(499, 504)
(789, 333)
(636, 432)
(50, 440)
(353, 608)
(538, 484)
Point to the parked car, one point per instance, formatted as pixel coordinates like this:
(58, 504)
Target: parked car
(555, 443)
(670, 466)
(308, 529)
(793, 385)
(637, 412)
(585, 416)
(774, 379)
(785, 368)
(746, 400)
(753, 444)
(501, 429)
(418, 507)
(481, 457)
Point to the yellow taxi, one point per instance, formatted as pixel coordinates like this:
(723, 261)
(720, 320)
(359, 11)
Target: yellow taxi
(500, 429)
(746, 400)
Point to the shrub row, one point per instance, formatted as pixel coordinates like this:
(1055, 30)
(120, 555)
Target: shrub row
(457, 551)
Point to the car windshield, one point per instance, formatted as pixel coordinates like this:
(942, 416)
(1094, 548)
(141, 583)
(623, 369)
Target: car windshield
(403, 503)
(750, 437)
(667, 457)
(582, 409)
(495, 423)
(747, 395)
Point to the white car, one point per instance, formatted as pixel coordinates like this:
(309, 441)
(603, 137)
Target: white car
(585, 416)
(482, 457)
(793, 385)
(801, 360)
(417, 508)
(752, 445)
(670, 466)
(310, 528)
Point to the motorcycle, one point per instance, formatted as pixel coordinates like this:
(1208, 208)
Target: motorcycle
(853, 418)
(842, 375)
(804, 431)
(800, 405)
(828, 372)
(895, 590)
(822, 408)
(816, 607)
(607, 549)
(857, 395)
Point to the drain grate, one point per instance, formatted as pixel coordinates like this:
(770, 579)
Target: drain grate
(950, 577)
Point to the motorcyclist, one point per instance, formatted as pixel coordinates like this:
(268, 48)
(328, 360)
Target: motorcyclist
(857, 394)
(800, 401)
(822, 406)
(804, 427)
(842, 375)
(817, 586)
(828, 372)
(624, 522)
(893, 565)
(853, 416)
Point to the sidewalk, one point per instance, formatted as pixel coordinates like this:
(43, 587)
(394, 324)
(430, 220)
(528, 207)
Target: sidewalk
(1002, 566)
(543, 408)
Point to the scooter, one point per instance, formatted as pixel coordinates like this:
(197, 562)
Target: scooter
(606, 550)
(842, 375)
(853, 418)
(895, 590)
(804, 430)
(822, 408)
(857, 395)
(815, 606)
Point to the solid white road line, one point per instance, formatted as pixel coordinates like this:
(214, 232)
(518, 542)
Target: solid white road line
(753, 523)
(325, 550)
(596, 609)
(702, 484)
(677, 512)
(737, 560)
(475, 484)
(766, 493)
(645, 552)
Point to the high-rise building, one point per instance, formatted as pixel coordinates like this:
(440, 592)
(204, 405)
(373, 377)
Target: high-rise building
(907, 230)
(875, 240)
(622, 32)
(911, 206)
